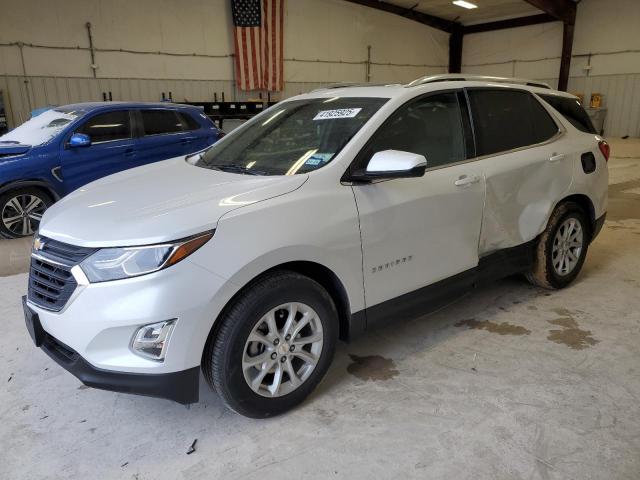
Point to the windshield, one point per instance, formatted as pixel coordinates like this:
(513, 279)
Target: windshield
(293, 137)
(42, 128)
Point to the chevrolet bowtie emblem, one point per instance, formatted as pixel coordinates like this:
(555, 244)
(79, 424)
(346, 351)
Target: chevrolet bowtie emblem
(38, 244)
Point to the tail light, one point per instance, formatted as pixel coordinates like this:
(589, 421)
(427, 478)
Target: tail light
(605, 149)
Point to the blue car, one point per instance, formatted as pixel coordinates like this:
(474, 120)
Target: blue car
(67, 147)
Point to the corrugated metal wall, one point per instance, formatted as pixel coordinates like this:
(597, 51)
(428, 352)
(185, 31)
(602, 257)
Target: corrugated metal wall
(621, 94)
(20, 97)
(621, 98)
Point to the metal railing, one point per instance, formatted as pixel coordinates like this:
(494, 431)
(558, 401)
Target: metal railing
(462, 77)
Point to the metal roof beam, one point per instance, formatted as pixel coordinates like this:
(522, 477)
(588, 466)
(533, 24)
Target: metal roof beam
(563, 10)
(510, 23)
(410, 13)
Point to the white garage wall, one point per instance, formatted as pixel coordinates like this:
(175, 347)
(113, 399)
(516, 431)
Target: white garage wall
(325, 41)
(608, 30)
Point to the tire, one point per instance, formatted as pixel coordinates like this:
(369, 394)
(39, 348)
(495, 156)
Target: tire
(231, 349)
(13, 224)
(548, 270)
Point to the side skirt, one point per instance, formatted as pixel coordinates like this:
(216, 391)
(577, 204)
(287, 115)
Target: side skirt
(494, 266)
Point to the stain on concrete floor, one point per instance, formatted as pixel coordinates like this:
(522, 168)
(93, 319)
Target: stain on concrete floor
(571, 334)
(503, 328)
(564, 312)
(372, 367)
(624, 204)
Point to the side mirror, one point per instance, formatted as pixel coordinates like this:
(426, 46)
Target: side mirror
(79, 140)
(390, 164)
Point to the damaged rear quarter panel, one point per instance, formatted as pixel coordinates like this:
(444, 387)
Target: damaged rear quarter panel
(522, 189)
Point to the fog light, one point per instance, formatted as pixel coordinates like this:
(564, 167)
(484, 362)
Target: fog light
(151, 341)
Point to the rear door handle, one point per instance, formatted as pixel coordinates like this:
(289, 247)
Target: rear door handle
(464, 180)
(555, 157)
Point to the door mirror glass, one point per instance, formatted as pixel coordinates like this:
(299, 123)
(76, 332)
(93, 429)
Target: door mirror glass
(79, 140)
(393, 164)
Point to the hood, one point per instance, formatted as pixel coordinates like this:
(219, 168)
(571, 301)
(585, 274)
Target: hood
(10, 149)
(160, 202)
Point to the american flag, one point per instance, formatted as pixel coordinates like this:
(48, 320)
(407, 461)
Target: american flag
(258, 36)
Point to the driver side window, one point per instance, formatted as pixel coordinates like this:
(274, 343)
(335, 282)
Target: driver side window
(430, 126)
(107, 127)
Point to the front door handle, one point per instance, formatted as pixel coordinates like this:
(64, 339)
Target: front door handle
(464, 180)
(556, 156)
(129, 152)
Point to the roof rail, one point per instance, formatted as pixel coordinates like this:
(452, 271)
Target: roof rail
(339, 85)
(354, 84)
(461, 77)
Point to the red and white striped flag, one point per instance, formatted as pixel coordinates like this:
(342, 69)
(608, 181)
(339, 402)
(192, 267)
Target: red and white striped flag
(258, 34)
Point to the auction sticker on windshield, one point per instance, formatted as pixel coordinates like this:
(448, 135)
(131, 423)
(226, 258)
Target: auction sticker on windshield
(339, 113)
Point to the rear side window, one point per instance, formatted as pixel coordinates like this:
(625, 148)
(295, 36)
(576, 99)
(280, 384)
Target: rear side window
(108, 126)
(188, 121)
(571, 109)
(508, 119)
(159, 122)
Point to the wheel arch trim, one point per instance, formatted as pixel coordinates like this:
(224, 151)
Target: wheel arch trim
(30, 183)
(318, 272)
(585, 202)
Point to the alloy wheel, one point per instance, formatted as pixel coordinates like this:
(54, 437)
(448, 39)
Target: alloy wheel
(21, 214)
(567, 246)
(282, 349)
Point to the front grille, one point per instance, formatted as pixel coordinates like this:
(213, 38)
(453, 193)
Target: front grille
(50, 285)
(63, 252)
(51, 282)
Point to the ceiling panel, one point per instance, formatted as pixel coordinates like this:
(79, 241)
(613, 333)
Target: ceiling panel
(487, 11)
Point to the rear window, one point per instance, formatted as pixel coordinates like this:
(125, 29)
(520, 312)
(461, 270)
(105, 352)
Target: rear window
(508, 119)
(159, 122)
(571, 109)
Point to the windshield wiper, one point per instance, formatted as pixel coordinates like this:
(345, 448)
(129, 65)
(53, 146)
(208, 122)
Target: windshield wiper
(235, 168)
(13, 142)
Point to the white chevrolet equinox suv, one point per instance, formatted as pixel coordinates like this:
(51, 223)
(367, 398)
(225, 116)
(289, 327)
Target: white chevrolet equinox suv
(322, 216)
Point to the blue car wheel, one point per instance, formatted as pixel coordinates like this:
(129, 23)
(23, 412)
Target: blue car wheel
(21, 211)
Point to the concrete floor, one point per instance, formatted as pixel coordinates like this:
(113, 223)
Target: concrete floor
(511, 382)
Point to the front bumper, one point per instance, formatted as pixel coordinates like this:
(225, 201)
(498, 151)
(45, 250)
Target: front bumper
(181, 387)
(100, 320)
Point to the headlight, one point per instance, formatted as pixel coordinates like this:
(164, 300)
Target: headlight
(125, 262)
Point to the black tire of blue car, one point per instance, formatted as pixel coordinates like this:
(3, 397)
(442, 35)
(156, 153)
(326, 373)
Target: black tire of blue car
(543, 273)
(223, 358)
(21, 210)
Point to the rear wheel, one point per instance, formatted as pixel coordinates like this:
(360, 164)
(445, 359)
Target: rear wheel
(561, 248)
(274, 345)
(21, 211)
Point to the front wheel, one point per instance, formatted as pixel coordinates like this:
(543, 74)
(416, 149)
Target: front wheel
(21, 211)
(274, 345)
(561, 248)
